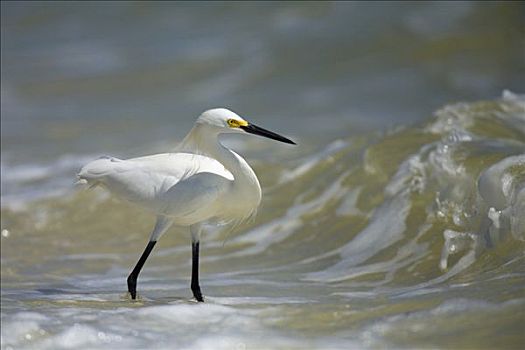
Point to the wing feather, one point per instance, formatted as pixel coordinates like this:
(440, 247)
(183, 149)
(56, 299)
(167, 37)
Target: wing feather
(152, 180)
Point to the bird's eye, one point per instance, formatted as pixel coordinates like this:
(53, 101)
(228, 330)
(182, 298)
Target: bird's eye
(233, 123)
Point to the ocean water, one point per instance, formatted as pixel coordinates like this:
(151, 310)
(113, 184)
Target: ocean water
(397, 222)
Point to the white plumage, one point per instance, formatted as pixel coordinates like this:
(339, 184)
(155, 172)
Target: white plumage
(204, 182)
(182, 186)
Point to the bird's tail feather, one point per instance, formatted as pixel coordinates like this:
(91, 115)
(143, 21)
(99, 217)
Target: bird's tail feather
(93, 172)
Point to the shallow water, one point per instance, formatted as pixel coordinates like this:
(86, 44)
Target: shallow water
(410, 238)
(389, 226)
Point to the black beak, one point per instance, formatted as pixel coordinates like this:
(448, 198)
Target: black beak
(254, 129)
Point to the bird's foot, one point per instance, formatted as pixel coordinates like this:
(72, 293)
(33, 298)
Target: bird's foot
(197, 293)
(132, 287)
(132, 295)
(128, 297)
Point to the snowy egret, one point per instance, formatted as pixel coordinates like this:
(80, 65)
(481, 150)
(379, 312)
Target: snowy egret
(203, 182)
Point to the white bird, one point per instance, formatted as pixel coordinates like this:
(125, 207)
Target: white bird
(204, 182)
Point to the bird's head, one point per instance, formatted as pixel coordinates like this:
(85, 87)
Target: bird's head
(230, 122)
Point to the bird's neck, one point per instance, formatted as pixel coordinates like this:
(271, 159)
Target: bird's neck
(201, 141)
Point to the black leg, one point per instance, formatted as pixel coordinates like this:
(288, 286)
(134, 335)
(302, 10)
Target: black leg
(195, 288)
(132, 278)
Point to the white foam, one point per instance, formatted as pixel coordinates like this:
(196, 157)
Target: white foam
(203, 313)
(419, 321)
(76, 336)
(502, 187)
(510, 96)
(22, 327)
(497, 185)
(456, 242)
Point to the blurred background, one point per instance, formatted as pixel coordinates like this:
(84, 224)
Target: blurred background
(92, 77)
(374, 232)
